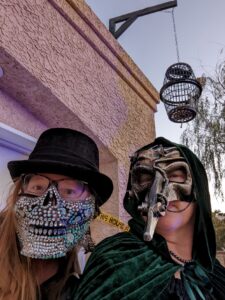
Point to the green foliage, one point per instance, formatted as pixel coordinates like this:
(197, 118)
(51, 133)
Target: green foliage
(219, 225)
(205, 135)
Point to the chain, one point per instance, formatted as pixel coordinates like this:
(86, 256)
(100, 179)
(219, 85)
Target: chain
(183, 261)
(175, 35)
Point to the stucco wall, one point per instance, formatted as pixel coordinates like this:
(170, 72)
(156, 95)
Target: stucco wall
(220, 255)
(17, 116)
(65, 69)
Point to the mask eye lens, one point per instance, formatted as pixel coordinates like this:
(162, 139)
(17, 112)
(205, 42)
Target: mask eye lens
(71, 189)
(35, 184)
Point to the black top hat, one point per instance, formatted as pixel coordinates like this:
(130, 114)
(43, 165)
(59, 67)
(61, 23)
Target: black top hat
(68, 152)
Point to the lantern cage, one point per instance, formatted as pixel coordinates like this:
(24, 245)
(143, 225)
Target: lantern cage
(180, 92)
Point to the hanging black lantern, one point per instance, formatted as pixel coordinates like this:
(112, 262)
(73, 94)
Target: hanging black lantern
(180, 92)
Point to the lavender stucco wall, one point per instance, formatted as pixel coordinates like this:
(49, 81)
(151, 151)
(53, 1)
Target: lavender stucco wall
(65, 69)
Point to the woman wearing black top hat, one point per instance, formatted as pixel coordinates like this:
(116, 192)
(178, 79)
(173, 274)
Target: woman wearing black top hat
(56, 194)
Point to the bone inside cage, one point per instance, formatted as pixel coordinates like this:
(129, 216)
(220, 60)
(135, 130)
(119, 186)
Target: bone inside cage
(180, 92)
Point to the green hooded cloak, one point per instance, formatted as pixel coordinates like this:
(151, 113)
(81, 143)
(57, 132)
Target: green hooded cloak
(126, 267)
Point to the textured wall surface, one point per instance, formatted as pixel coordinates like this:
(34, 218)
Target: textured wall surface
(63, 67)
(14, 114)
(220, 255)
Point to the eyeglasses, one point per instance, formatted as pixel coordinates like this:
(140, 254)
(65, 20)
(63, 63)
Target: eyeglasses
(37, 185)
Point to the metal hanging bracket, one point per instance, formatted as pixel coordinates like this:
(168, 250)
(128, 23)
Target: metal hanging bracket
(129, 18)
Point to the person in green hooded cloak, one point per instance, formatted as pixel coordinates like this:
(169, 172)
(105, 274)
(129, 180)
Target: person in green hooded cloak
(170, 251)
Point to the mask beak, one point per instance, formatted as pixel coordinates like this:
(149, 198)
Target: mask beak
(154, 206)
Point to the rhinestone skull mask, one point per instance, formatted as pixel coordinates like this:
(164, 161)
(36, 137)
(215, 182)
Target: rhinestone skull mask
(48, 226)
(150, 183)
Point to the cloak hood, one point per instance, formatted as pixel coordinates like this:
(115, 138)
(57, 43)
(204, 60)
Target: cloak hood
(204, 246)
(125, 266)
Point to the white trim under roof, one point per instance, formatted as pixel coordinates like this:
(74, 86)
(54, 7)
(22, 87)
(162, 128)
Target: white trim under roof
(16, 140)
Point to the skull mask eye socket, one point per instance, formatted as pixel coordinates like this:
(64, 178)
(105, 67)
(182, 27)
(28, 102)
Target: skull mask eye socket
(177, 176)
(142, 177)
(179, 179)
(178, 172)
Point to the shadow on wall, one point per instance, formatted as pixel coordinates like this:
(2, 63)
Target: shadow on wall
(6, 155)
(14, 145)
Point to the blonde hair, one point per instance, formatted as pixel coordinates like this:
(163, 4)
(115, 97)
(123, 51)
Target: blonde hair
(18, 280)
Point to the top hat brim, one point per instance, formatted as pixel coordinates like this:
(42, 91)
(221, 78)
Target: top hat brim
(101, 184)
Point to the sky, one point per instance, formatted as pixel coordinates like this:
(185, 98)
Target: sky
(150, 42)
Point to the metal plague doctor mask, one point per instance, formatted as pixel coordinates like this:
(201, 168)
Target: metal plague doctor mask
(151, 186)
(50, 225)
